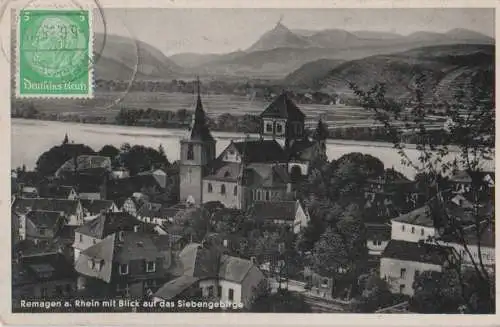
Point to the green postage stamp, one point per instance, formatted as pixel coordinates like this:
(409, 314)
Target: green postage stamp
(54, 53)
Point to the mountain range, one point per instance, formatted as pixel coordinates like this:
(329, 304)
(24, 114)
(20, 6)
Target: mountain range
(447, 68)
(276, 54)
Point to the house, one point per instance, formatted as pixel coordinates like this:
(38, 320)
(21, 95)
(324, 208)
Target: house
(377, 238)
(28, 192)
(43, 277)
(122, 188)
(217, 276)
(156, 213)
(291, 213)
(159, 174)
(119, 173)
(132, 205)
(417, 225)
(40, 225)
(71, 209)
(92, 208)
(88, 184)
(402, 261)
(104, 226)
(59, 192)
(126, 264)
(463, 180)
(85, 163)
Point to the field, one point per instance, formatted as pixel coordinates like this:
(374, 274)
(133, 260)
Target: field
(107, 104)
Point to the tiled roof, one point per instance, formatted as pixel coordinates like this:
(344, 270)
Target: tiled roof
(420, 217)
(302, 150)
(228, 172)
(56, 191)
(261, 151)
(416, 252)
(282, 210)
(108, 223)
(175, 287)
(23, 205)
(102, 253)
(265, 175)
(380, 232)
(96, 206)
(85, 162)
(201, 262)
(48, 219)
(283, 107)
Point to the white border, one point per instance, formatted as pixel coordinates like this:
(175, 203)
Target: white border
(90, 66)
(217, 319)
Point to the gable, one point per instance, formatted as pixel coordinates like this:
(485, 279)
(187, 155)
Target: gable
(231, 154)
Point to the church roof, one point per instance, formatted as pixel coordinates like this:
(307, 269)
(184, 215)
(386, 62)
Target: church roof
(283, 107)
(261, 151)
(199, 129)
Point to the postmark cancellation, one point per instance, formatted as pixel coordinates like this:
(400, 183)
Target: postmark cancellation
(54, 53)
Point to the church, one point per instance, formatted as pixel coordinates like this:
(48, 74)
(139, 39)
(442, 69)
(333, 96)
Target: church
(263, 168)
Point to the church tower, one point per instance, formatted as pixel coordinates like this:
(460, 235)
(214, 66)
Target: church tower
(197, 153)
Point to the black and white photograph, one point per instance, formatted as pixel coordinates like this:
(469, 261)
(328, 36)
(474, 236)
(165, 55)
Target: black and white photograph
(254, 160)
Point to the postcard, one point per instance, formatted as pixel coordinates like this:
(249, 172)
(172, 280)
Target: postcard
(223, 162)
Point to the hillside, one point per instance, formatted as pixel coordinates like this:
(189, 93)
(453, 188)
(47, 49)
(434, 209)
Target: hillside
(118, 56)
(280, 51)
(308, 73)
(446, 68)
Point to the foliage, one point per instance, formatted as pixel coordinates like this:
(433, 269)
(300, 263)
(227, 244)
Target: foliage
(109, 151)
(469, 141)
(140, 158)
(341, 251)
(375, 294)
(281, 301)
(50, 161)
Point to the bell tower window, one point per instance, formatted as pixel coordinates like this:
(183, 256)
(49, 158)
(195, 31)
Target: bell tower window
(279, 128)
(269, 127)
(190, 152)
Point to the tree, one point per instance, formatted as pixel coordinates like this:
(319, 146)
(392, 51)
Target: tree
(466, 143)
(375, 294)
(341, 251)
(437, 292)
(109, 151)
(281, 301)
(50, 161)
(140, 158)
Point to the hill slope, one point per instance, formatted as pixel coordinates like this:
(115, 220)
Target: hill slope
(308, 73)
(446, 69)
(120, 55)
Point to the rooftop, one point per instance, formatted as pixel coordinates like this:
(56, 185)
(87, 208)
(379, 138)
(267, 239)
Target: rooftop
(108, 223)
(283, 107)
(416, 252)
(260, 151)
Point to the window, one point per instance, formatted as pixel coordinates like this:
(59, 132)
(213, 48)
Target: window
(81, 238)
(417, 272)
(94, 241)
(269, 127)
(403, 228)
(42, 231)
(149, 284)
(190, 152)
(150, 266)
(59, 290)
(231, 294)
(209, 186)
(413, 230)
(123, 269)
(401, 288)
(267, 195)
(279, 128)
(210, 291)
(219, 290)
(223, 189)
(120, 235)
(403, 273)
(377, 242)
(235, 190)
(421, 232)
(227, 174)
(122, 288)
(44, 292)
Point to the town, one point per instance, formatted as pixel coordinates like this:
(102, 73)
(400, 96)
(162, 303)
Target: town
(267, 225)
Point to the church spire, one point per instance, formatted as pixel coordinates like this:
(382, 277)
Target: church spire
(199, 128)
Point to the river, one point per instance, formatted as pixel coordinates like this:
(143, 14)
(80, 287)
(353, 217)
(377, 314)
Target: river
(30, 138)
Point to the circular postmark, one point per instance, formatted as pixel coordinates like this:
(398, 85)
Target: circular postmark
(55, 45)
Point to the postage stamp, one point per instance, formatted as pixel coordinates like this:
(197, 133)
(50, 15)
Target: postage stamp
(54, 53)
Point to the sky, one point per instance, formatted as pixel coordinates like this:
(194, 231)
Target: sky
(203, 30)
